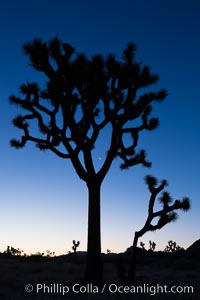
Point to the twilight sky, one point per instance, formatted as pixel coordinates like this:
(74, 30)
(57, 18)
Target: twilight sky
(43, 202)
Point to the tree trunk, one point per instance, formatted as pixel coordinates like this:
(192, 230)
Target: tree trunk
(132, 266)
(94, 265)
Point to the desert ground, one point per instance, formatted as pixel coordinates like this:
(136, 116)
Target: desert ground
(39, 278)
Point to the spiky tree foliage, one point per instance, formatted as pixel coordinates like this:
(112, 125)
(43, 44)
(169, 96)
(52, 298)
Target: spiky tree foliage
(166, 214)
(82, 97)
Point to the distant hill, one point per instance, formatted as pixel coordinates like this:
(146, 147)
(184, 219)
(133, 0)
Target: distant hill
(139, 250)
(194, 249)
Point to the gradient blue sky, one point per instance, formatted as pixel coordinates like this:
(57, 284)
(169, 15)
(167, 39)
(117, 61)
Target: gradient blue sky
(43, 202)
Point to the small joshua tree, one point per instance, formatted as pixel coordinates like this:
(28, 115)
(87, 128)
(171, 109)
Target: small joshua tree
(75, 246)
(165, 215)
(142, 245)
(152, 246)
(14, 252)
(172, 247)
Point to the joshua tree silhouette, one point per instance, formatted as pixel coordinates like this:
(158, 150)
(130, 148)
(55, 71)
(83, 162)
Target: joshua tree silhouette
(12, 251)
(165, 215)
(152, 246)
(172, 247)
(87, 96)
(75, 246)
(142, 245)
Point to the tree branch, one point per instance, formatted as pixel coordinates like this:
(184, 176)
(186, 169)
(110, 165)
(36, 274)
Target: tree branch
(167, 214)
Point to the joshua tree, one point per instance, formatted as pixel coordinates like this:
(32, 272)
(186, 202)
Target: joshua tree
(152, 246)
(142, 245)
(172, 247)
(87, 98)
(12, 251)
(165, 215)
(75, 246)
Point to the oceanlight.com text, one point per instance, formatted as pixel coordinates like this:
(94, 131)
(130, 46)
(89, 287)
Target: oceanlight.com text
(62, 289)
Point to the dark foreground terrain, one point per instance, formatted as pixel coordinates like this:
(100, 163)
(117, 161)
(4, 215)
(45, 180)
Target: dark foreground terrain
(159, 276)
